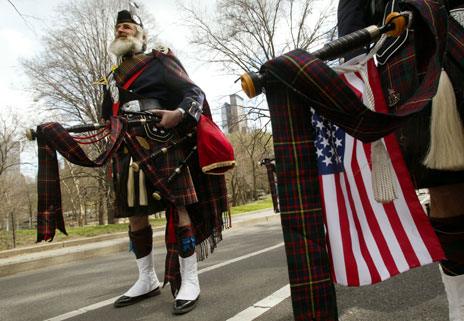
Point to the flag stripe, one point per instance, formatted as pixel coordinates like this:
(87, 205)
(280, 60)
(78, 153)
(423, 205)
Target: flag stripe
(384, 261)
(391, 213)
(363, 270)
(351, 264)
(334, 230)
(412, 202)
(364, 186)
(388, 230)
(364, 231)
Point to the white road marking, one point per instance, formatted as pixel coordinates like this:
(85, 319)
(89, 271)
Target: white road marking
(83, 310)
(262, 306)
(240, 258)
(101, 304)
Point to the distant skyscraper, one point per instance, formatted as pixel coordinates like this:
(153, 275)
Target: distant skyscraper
(233, 115)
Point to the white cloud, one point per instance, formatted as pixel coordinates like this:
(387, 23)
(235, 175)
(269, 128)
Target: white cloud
(15, 44)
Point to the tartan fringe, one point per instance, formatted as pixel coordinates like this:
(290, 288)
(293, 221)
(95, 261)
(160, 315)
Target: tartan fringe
(206, 247)
(202, 249)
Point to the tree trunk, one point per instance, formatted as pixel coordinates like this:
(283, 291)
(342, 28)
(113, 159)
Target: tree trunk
(109, 212)
(105, 199)
(31, 216)
(13, 228)
(253, 170)
(86, 210)
(82, 210)
(101, 217)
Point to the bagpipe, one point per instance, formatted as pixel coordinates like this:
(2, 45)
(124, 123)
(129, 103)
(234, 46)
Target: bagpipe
(215, 152)
(148, 118)
(119, 135)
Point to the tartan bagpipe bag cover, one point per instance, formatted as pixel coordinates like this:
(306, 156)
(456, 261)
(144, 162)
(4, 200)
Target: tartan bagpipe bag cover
(215, 152)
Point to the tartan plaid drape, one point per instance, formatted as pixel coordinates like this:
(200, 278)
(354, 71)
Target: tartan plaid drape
(52, 137)
(312, 290)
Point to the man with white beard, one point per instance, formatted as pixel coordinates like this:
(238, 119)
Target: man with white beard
(158, 83)
(130, 39)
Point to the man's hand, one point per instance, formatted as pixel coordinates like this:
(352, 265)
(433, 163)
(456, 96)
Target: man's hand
(169, 118)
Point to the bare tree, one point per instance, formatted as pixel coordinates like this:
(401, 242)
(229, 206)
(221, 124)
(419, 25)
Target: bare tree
(241, 35)
(15, 200)
(249, 177)
(64, 75)
(15, 206)
(10, 145)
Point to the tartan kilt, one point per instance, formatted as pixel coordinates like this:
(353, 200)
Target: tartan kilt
(182, 187)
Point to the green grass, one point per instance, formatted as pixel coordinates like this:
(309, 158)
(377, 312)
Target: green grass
(254, 206)
(28, 237)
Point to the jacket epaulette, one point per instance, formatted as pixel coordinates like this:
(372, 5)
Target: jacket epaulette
(161, 49)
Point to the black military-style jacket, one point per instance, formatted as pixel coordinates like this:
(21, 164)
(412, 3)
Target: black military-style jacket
(164, 83)
(353, 15)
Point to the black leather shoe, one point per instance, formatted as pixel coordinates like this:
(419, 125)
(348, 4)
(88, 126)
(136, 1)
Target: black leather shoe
(184, 306)
(128, 300)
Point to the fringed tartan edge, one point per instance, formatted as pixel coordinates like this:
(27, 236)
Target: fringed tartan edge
(208, 245)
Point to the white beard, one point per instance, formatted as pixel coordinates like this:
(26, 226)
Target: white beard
(122, 46)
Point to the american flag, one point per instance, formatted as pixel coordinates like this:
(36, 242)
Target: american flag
(368, 241)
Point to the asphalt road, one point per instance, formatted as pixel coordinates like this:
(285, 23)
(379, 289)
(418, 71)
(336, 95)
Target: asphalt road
(247, 267)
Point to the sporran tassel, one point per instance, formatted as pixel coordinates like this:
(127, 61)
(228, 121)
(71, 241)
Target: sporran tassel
(130, 186)
(446, 150)
(143, 199)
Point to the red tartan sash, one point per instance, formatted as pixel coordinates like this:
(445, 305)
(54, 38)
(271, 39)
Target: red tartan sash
(128, 83)
(455, 45)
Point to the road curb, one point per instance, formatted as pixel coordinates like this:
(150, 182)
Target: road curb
(32, 258)
(47, 246)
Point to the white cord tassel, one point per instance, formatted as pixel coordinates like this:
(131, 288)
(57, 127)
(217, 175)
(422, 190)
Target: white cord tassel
(143, 199)
(383, 184)
(130, 186)
(382, 173)
(446, 151)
